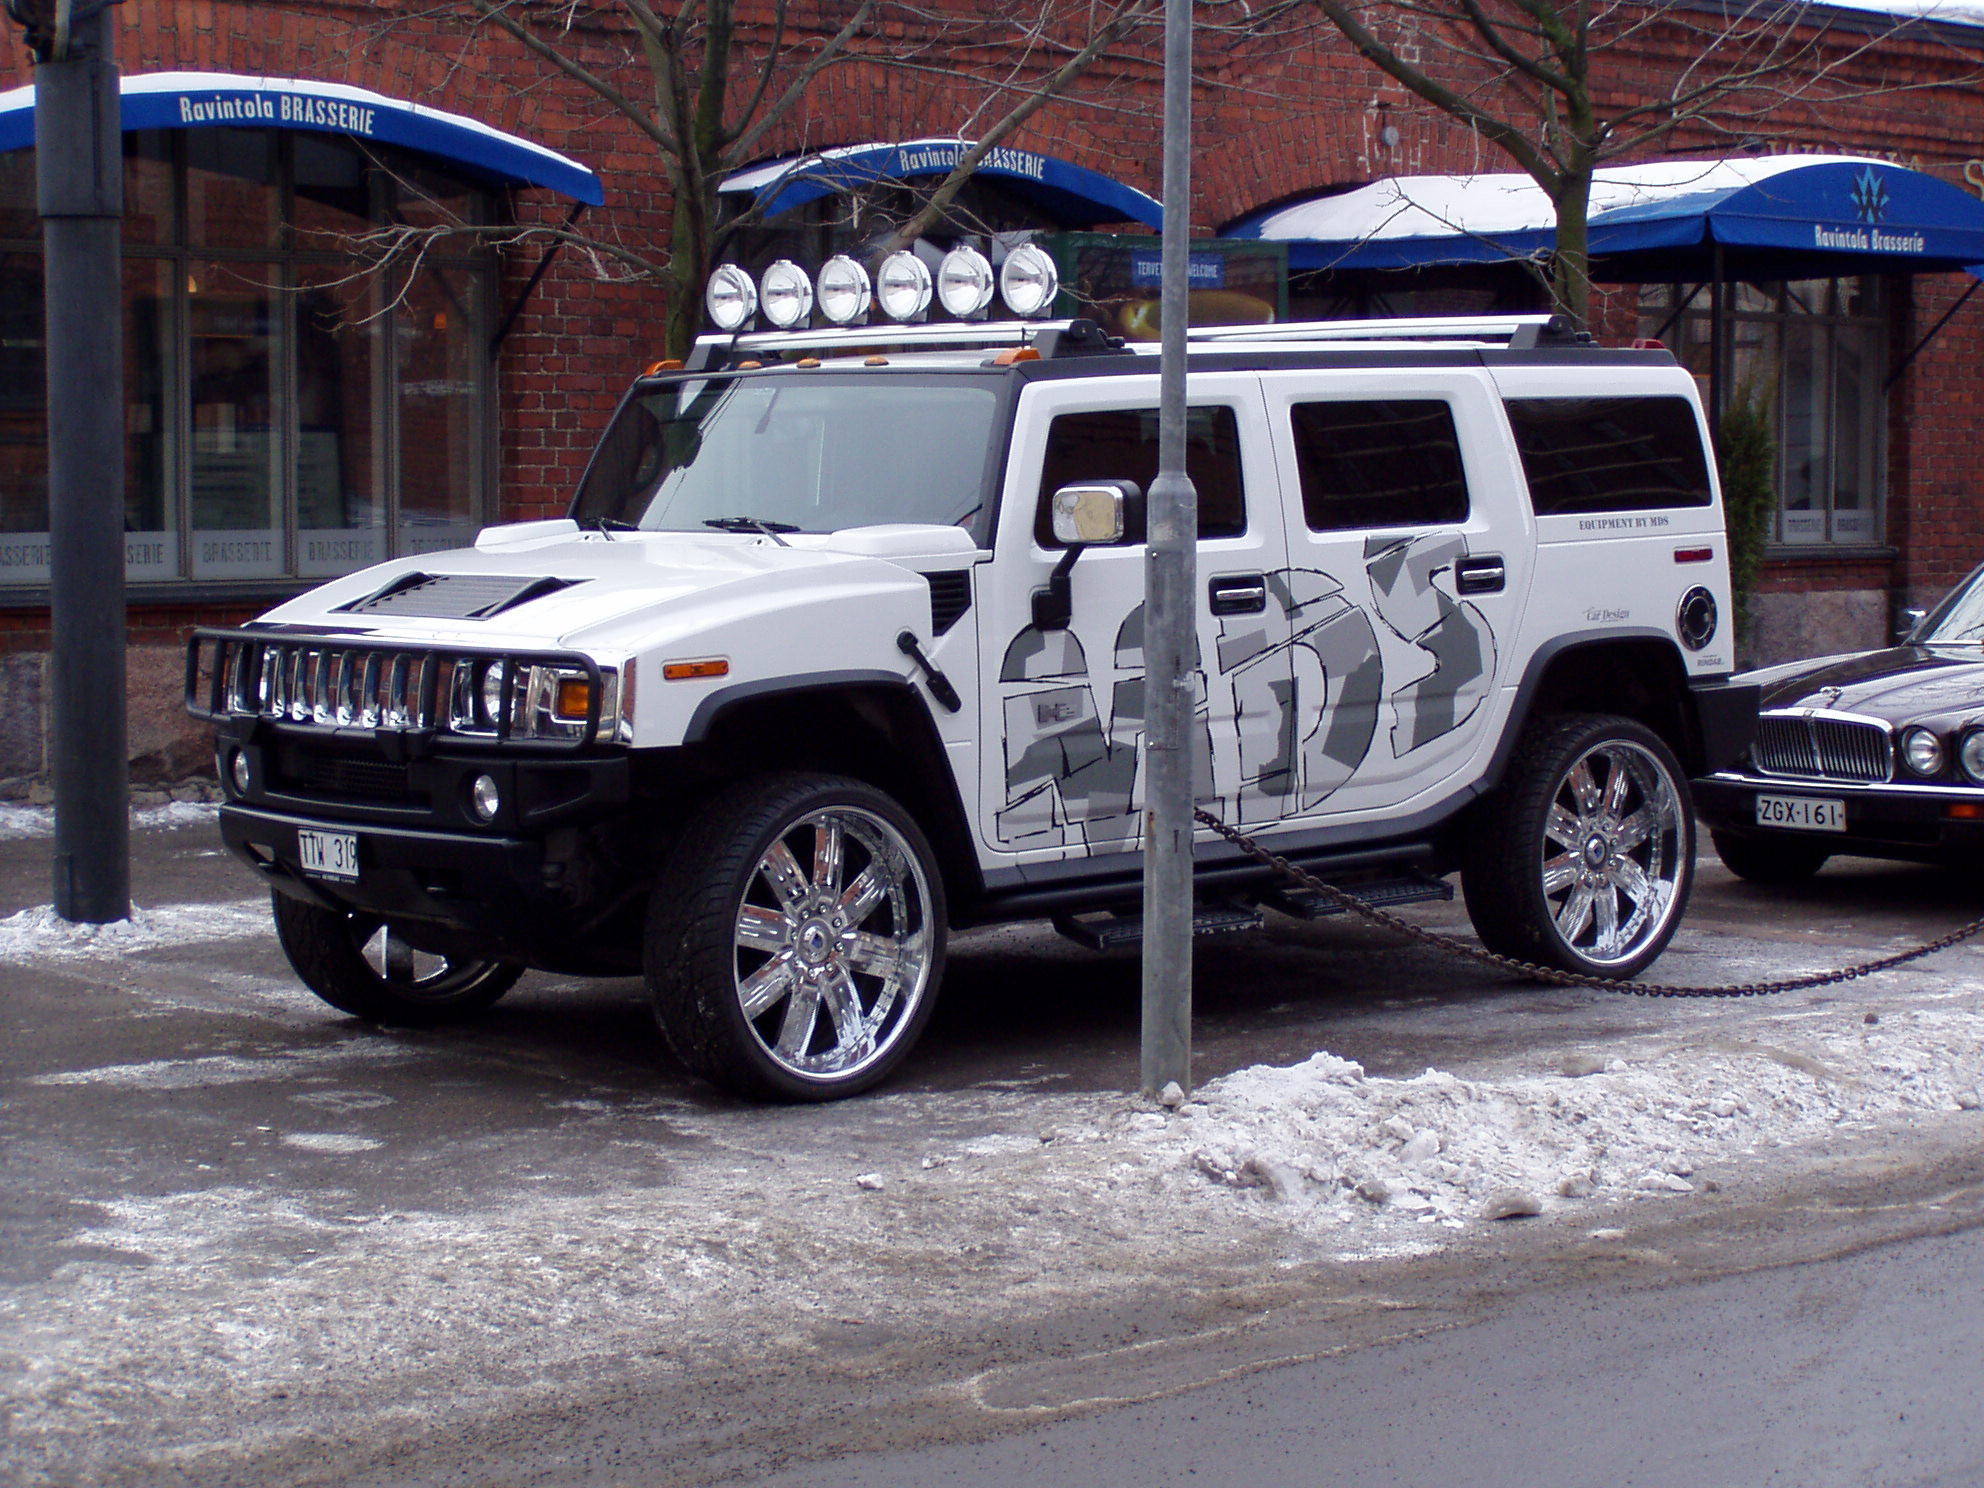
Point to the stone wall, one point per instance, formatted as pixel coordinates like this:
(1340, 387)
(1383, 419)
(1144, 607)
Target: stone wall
(165, 745)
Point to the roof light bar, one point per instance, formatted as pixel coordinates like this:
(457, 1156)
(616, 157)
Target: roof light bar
(964, 282)
(787, 294)
(731, 298)
(843, 290)
(903, 286)
(1028, 281)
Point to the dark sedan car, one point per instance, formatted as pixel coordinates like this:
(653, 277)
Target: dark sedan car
(1880, 754)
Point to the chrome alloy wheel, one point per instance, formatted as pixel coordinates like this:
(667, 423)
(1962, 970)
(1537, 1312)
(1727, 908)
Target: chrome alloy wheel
(834, 947)
(407, 970)
(1612, 852)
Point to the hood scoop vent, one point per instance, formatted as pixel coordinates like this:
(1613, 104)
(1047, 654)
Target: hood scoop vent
(455, 596)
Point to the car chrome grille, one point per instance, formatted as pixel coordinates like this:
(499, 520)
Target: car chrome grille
(1819, 748)
(493, 696)
(326, 684)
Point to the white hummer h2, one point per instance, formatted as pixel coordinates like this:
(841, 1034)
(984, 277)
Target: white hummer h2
(817, 669)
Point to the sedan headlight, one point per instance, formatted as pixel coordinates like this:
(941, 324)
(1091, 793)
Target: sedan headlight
(1970, 755)
(1922, 750)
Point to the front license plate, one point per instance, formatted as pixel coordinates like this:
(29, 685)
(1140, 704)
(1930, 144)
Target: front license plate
(328, 854)
(1803, 813)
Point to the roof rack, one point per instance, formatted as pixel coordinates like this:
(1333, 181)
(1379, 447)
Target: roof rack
(1080, 336)
(1511, 330)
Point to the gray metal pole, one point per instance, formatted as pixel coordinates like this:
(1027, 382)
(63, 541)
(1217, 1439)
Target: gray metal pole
(79, 159)
(1170, 617)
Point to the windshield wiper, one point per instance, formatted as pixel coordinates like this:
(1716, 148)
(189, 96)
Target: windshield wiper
(752, 524)
(607, 526)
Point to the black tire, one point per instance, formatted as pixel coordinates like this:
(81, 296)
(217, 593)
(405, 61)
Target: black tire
(1769, 860)
(765, 981)
(1583, 857)
(360, 965)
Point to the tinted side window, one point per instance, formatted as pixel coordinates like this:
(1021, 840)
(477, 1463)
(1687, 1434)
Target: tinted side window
(1391, 463)
(1121, 444)
(1609, 454)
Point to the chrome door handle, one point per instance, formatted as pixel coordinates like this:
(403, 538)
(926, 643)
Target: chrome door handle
(1237, 594)
(1485, 574)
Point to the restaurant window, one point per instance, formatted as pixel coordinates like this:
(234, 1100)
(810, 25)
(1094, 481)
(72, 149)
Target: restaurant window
(290, 412)
(1816, 349)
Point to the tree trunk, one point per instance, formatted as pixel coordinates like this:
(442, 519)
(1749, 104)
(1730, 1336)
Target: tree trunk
(1570, 280)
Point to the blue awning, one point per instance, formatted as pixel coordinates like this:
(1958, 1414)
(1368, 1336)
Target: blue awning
(196, 100)
(1776, 217)
(1073, 195)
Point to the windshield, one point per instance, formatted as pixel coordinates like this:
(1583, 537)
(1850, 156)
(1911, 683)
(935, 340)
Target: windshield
(812, 453)
(1960, 617)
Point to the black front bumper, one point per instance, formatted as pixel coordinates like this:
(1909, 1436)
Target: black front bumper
(487, 886)
(1911, 822)
(536, 894)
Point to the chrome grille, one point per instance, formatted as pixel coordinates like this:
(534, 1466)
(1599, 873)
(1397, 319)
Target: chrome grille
(341, 686)
(492, 696)
(1817, 747)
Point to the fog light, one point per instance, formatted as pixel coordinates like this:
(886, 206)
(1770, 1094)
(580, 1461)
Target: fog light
(240, 772)
(486, 797)
(1923, 751)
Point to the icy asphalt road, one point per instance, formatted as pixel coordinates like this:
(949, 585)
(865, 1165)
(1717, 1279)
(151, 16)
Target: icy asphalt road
(243, 1240)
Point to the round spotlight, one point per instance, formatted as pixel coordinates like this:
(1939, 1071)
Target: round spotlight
(964, 282)
(787, 294)
(903, 286)
(1028, 281)
(1970, 755)
(730, 298)
(240, 772)
(1923, 751)
(486, 797)
(843, 290)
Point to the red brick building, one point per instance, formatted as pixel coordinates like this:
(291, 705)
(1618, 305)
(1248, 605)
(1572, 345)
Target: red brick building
(290, 417)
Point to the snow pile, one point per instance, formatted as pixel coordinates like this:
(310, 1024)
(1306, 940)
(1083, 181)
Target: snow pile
(1337, 1146)
(42, 932)
(19, 823)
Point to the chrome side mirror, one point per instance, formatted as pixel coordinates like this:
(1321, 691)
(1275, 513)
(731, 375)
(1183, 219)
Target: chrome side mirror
(1089, 513)
(1083, 515)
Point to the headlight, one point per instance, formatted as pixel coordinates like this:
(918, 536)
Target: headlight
(1970, 755)
(1923, 751)
(546, 701)
(492, 694)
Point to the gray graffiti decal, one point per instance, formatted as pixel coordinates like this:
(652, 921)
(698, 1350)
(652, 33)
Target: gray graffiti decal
(1339, 638)
(1453, 633)
(1070, 778)
(1314, 655)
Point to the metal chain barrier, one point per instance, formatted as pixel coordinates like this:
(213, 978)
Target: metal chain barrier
(1550, 974)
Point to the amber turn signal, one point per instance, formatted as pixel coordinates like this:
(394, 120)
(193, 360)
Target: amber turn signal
(684, 671)
(574, 698)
